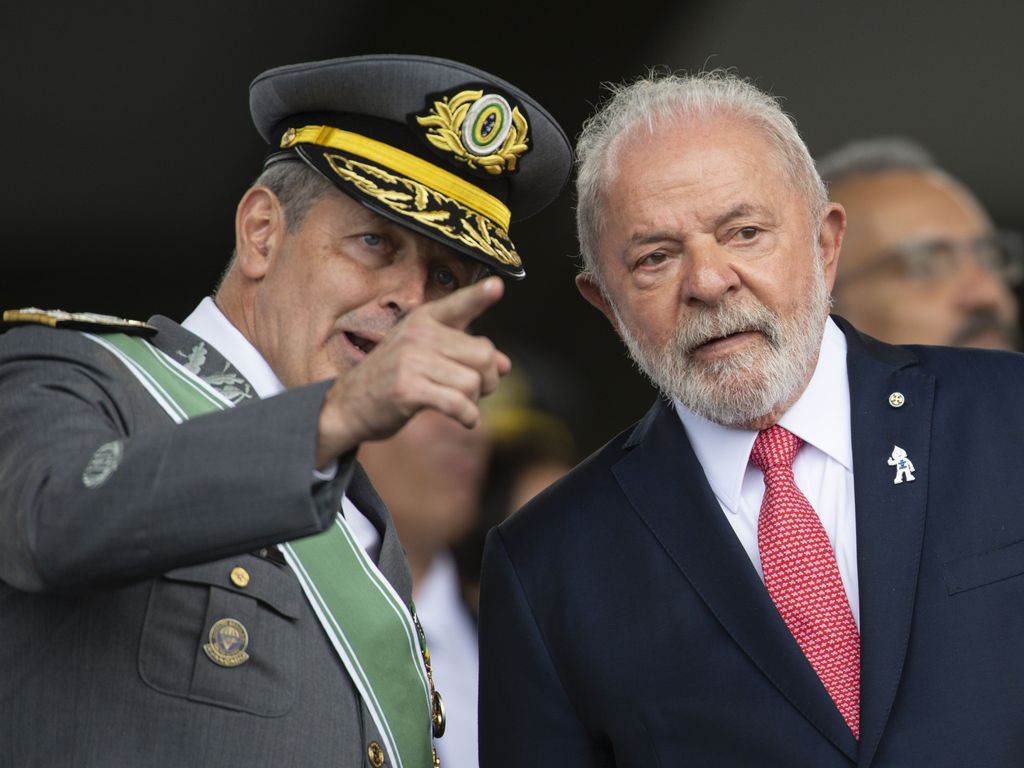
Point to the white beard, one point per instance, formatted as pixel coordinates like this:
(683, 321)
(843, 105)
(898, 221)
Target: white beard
(744, 387)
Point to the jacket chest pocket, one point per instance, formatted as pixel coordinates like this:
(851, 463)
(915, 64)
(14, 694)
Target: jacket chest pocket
(226, 634)
(985, 568)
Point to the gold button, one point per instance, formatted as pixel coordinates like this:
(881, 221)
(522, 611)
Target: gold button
(239, 577)
(288, 139)
(896, 399)
(376, 754)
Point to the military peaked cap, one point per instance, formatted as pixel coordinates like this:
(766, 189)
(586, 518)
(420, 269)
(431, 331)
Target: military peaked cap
(442, 148)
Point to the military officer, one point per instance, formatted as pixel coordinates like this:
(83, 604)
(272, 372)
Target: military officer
(193, 568)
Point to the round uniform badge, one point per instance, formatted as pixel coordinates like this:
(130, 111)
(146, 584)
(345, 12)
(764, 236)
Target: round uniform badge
(486, 125)
(228, 641)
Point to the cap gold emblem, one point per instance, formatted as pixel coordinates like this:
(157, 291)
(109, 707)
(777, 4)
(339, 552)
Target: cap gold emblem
(228, 641)
(482, 131)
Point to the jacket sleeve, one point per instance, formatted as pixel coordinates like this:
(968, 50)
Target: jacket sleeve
(526, 717)
(97, 488)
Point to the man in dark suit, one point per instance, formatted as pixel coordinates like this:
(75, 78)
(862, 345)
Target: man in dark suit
(807, 553)
(162, 597)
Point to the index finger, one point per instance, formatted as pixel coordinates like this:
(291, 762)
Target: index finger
(465, 305)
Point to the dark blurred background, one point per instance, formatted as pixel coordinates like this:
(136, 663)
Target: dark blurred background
(128, 137)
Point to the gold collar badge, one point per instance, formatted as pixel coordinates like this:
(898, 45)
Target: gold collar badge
(482, 131)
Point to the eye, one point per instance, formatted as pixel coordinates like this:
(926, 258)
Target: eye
(652, 259)
(747, 233)
(372, 239)
(446, 278)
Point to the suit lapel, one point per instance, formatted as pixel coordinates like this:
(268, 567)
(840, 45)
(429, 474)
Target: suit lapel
(890, 516)
(682, 512)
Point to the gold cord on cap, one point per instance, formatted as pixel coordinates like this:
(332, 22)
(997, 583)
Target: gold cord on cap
(404, 163)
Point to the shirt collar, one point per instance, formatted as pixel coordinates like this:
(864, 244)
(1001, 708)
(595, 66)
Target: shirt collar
(209, 323)
(821, 417)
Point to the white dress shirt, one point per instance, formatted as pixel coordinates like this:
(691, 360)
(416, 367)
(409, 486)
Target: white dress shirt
(454, 659)
(823, 467)
(209, 323)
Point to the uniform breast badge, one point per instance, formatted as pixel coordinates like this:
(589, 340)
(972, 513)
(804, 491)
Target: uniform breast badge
(228, 641)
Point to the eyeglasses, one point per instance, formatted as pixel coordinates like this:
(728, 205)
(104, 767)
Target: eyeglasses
(933, 261)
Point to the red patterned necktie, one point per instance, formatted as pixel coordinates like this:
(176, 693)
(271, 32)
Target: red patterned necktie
(802, 577)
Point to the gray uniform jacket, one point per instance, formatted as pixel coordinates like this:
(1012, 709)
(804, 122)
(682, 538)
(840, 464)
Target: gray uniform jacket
(108, 593)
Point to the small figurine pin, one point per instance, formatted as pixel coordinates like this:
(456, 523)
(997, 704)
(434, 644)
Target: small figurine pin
(904, 466)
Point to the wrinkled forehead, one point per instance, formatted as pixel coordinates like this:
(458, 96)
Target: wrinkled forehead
(718, 148)
(669, 133)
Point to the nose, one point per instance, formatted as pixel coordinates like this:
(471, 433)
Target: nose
(405, 286)
(709, 275)
(978, 287)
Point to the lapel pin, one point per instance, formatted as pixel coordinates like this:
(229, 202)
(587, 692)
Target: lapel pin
(896, 399)
(904, 466)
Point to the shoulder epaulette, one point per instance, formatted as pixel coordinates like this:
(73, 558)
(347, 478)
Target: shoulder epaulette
(80, 321)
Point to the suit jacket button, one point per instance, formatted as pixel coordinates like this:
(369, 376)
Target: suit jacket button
(376, 754)
(239, 577)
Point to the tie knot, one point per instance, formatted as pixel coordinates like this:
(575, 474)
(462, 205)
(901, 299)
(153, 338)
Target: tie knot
(775, 448)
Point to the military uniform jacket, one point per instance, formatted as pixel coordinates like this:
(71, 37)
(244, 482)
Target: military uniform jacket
(111, 577)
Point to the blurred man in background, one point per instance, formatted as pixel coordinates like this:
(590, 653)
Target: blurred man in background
(445, 487)
(430, 475)
(922, 262)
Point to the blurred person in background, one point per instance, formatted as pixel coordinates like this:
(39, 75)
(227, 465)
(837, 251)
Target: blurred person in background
(922, 262)
(445, 487)
(430, 475)
(532, 445)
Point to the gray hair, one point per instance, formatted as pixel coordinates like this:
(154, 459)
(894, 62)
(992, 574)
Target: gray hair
(297, 186)
(875, 155)
(641, 104)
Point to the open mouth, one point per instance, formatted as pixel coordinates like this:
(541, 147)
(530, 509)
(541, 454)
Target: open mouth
(361, 343)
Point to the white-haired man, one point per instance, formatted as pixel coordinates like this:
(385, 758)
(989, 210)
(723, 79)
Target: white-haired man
(741, 579)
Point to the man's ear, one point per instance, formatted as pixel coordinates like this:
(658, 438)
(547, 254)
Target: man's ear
(588, 287)
(830, 241)
(259, 228)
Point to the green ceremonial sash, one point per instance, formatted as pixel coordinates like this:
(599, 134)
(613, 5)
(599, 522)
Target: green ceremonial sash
(372, 630)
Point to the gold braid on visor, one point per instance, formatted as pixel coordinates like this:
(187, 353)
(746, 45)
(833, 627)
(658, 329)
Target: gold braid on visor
(415, 168)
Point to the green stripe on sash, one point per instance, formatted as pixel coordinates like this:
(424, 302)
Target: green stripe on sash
(366, 621)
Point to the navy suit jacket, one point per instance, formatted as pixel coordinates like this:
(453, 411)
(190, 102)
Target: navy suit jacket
(623, 624)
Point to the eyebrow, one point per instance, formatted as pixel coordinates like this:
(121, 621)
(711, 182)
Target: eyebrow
(738, 211)
(646, 238)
